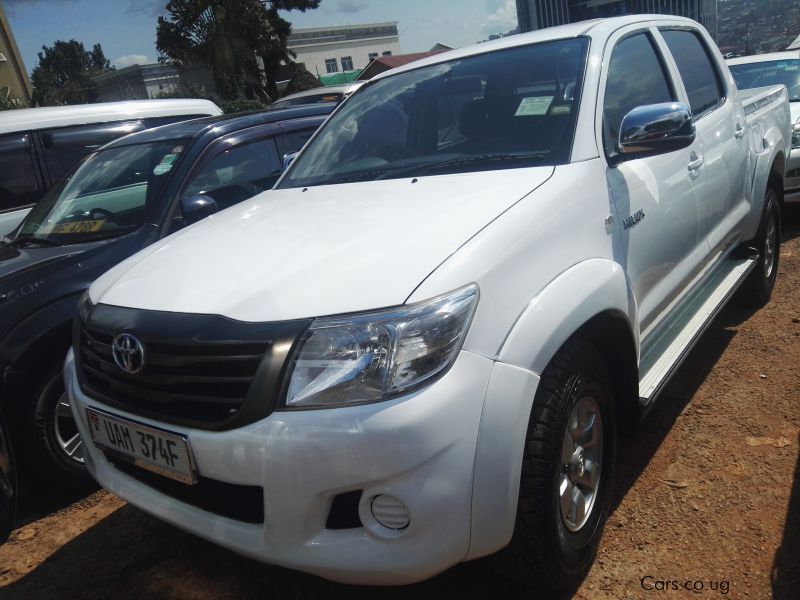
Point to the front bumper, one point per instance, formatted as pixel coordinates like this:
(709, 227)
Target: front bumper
(420, 448)
(791, 185)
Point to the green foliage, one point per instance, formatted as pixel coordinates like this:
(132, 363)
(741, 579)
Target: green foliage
(226, 35)
(64, 73)
(10, 103)
(301, 81)
(241, 105)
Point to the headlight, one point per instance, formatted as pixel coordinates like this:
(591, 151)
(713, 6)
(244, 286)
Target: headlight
(796, 135)
(373, 356)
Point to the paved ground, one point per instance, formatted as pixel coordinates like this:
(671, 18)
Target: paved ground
(708, 493)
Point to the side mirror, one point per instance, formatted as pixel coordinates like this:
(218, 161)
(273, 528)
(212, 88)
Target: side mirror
(288, 158)
(656, 129)
(197, 207)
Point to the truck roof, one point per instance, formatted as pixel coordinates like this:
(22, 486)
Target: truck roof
(26, 119)
(222, 125)
(596, 28)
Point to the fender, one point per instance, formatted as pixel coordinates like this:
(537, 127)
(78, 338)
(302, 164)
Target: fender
(42, 337)
(581, 292)
(568, 302)
(769, 157)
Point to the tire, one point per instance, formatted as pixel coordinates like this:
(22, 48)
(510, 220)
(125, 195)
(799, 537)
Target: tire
(757, 288)
(55, 450)
(551, 547)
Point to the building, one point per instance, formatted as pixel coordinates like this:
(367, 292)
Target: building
(384, 63)
(141, 82)
(537, 14)
(15, 86)
(345, 48)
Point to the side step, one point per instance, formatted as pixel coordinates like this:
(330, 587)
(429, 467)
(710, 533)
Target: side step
(680, 333)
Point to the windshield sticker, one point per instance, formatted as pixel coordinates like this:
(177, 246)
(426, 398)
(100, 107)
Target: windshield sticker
(534, 106)
(167, 161)
(561, 110)
(74, 227)
(791, 67)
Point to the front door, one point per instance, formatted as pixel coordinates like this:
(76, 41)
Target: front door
(665, 247)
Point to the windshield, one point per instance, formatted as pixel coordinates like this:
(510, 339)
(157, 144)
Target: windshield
(108, 195)
(775, 72)
(509, 108)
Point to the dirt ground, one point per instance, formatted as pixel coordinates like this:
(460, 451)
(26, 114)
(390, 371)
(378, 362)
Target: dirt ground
(707, 498)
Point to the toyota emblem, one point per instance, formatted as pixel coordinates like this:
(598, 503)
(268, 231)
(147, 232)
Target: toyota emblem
(128, 353)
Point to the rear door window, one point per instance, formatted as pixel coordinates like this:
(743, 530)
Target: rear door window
(19, 181)
(636, 77)
(65, 146)
(700, 77)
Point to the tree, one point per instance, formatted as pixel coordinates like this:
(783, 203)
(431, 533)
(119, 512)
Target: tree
(227, 35)
(64, 73)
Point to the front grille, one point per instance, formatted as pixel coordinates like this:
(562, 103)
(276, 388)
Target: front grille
(199, 370)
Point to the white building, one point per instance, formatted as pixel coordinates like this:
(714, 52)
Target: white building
(345, 48)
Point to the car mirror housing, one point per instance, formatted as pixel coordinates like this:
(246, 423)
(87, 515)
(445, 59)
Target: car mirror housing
(655, 129)
(197, 207)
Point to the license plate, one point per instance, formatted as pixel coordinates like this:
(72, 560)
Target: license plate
(162, 452)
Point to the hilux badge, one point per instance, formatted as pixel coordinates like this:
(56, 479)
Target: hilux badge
(128, 353)
(633, 219)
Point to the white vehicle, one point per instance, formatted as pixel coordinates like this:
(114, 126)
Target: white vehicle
(39, 145)
(776, 68)
(328, 93)
(419, 347)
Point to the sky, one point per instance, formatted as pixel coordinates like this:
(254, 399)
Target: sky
(126, 29)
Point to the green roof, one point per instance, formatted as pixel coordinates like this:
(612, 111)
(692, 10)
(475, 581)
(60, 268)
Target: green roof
(339, 78)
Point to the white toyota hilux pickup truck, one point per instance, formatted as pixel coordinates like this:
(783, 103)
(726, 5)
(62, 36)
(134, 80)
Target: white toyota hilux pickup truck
(420, 347)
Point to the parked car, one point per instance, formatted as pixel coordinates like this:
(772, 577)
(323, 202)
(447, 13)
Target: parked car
(330, 93)
(127, 195)
(39, 145)
(421, 353)
(8, 483)
(777, 68)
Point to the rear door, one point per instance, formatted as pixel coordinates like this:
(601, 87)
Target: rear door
(721, 179)
(665, 247)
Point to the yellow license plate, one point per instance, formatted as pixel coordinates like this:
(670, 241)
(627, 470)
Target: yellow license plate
(77, 227)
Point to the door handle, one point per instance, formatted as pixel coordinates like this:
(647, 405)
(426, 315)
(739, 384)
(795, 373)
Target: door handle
(739, 132)
(695, 162)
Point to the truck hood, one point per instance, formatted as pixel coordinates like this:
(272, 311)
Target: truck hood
(29, 259)
(325, 250)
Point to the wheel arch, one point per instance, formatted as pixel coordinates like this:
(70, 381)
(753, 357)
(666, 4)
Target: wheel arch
(593, 302)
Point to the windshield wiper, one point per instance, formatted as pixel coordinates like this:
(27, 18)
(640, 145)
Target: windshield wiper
(459, 161)
(24, 240)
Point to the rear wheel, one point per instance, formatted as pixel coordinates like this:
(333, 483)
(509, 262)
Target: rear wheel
(567, 473)
(757, 289)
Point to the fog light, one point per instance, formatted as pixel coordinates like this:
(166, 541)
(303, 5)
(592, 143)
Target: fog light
(390, 512)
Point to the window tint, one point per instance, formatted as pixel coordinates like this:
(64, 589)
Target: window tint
(636, 77)
(237, 173)
(18, 183)
(65, 146)
(699, 76)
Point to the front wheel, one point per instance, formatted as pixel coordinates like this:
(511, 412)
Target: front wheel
(57, 447)
(567, 473)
